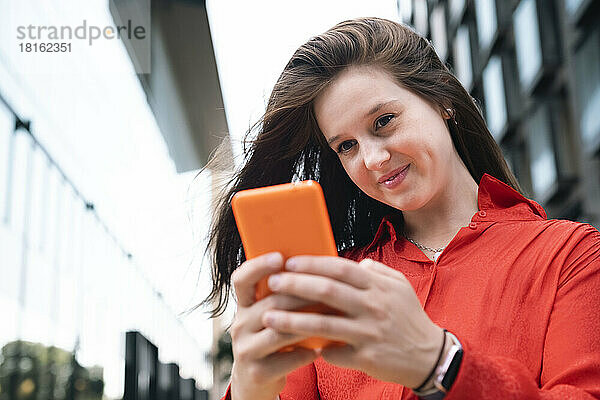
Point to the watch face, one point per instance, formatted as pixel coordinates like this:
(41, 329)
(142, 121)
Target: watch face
(452, 371)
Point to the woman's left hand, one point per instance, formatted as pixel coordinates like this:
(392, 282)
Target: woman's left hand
(387, 333)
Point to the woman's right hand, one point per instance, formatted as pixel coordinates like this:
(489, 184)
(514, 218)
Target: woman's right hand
(259, 371)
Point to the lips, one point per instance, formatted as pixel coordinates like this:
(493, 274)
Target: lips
(392, 174)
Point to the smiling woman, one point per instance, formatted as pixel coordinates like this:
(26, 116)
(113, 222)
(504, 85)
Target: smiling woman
(402, 140)
(450, 282)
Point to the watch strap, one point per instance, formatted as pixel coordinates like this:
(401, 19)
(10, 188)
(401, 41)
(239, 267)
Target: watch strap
(439, 395)
(446, 373)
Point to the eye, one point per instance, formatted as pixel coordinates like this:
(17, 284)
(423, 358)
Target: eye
(345, 146)
(383, 121)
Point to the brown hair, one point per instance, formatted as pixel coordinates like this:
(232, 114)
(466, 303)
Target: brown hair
(289, 145)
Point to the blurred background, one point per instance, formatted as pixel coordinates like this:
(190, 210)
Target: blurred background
(104, 202)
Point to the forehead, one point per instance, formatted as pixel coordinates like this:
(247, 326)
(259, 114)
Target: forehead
(353, 93)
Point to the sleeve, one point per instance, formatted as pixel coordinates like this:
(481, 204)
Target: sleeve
(571, 358)
(300, 384)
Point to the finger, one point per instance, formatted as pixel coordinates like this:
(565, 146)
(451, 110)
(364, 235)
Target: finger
(338, 295)
(276, 301)
(311, 324)
(381, 269)
(266, 342)
(280, 364)
(247, 275)
(338, 268)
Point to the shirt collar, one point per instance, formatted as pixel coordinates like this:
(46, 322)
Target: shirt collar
(496, 200)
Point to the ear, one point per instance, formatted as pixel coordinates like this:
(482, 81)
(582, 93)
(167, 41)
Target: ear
(448, 112)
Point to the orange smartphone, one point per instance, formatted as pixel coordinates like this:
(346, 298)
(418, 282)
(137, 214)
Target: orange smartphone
(292, 219)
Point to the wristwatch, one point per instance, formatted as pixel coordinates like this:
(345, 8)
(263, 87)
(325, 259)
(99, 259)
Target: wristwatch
(445, 373)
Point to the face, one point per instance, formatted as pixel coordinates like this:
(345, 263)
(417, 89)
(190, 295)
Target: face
(394, 145)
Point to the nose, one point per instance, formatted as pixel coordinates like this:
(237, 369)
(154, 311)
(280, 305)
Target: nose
(374, 155)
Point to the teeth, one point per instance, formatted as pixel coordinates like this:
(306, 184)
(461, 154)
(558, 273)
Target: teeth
(392, 178)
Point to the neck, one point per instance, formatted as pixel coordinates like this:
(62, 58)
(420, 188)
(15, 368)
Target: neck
(435, 224)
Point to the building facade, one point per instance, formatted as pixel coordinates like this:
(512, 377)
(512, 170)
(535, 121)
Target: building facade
(533, 67)
(70, 289)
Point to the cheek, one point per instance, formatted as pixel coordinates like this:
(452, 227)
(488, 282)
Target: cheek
(356, 173)
(442, 150)
(351, 168)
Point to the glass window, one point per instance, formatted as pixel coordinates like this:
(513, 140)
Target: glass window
(487, 22)
(112, 325)
(405, 9)
(421, 17)
(20, 181)
(495, 98)
(50, 229)
(64, 226)
(10, 265)
(7, 123)
(39, 189)
(513, 154)
(527, 42)
(587, 70)
(70, 296)
(438, 31)
(39, 289)
(91, 337)
(456, 8)
(572, 5)
(462, 57)
(40, 279)
(541, 152)
(10, 244)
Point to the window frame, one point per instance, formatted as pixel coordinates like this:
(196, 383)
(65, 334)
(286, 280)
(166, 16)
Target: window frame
(418, 19)
(7, 168)
(455, 17)
(497, 132)
(561, 149)
(439, 36)
(589, 146)
(486, 48)
(581, 14)
(548, 47)
(455, 54)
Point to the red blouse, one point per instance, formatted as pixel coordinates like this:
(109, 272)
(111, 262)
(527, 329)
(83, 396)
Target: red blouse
(521, 293)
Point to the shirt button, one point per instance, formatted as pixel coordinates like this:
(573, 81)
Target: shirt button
(482, 214)
(473, 225)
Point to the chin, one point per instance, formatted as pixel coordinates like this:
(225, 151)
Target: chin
(406, 203)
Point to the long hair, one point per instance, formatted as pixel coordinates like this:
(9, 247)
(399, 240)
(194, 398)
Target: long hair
(289, 145)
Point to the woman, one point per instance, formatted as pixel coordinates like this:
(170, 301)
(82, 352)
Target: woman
(451, 282)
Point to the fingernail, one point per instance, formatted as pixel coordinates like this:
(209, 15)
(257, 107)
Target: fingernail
(274, 281)
(274, 258)
(291, 264)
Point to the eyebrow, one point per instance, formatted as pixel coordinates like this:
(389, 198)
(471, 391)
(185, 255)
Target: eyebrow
(372, 111)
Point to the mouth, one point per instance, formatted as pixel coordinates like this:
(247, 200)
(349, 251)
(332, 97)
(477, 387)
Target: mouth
(393, 175)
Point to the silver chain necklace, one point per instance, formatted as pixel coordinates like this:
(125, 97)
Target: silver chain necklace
(436, 252)
(423, 247)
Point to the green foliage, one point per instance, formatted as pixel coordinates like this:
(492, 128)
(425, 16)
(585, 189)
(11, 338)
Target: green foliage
(30, 371)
